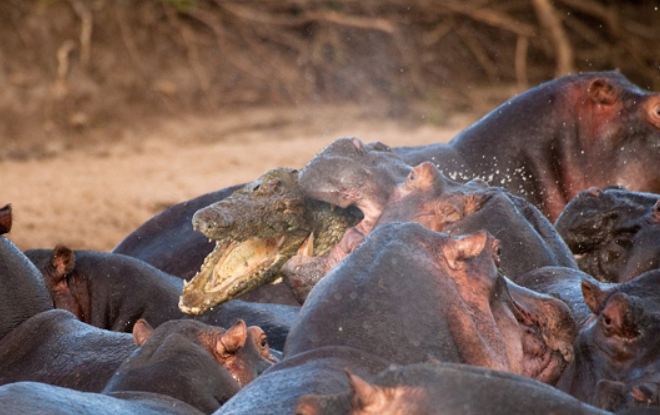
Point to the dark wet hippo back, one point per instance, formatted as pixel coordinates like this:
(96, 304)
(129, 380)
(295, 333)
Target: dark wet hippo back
(357, 304)
(443, 388)
(54, 347)
(112, 291)
(521, 228)
(168, 242)
(42, 399)
(321, 371)
(22, 290)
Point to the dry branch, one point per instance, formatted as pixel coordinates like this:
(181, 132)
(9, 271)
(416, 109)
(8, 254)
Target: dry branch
(492, 18)
(564, 52)
(522, 44)
(86, 25)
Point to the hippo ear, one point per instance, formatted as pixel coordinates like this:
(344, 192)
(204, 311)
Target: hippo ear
(5, 219)
(358, 144)
(601, 91)
(647, 393)
(63, 261)
(364, 393)
(594, 295)
(609, 394)
(655, 212)
(141, 332)
(457, 250)
(616, 317)
(308, 405)
(233, 339)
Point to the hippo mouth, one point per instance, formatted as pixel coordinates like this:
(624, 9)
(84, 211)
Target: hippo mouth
(233, 268)
(540, 361)
(547, 332)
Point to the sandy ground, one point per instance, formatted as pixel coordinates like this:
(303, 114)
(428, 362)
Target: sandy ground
(93, 197)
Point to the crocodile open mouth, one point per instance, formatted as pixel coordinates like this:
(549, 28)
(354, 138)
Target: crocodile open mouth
(231, 269)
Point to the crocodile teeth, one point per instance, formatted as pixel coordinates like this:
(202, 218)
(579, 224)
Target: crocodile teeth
(307, 247)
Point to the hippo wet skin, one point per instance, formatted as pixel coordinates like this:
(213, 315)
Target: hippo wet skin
(22, 291)
(620, 344)
(558, 138)
(355, 318)
(443, 389)
(42, 399)
(55, 347)
(113, 291)
(615, 233)
(193, 362)
(182, 367)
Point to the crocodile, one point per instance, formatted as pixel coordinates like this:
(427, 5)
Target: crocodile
(256, 231)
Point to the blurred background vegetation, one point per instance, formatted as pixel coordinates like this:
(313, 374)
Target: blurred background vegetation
(68, 67)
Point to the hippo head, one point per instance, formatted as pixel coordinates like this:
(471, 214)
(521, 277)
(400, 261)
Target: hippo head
(432, 199)
(256, 230)
(62, 281)
(614, 233)
(619, 132)
(349, 173)
(532, 334)
(620, 347)
(614, 395)
(243, 351)
(459, 302)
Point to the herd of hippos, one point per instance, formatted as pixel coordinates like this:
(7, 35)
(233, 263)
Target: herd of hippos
(514, 270)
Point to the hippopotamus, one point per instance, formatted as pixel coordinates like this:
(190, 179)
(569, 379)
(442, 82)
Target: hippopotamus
(193, 362)
(113, 291)
(557, 139)
(518, 330)
(641, 397)
(428, 197)
(615, 233)
(456, 309)
(55, 347)
(620, 344)
(565, 284)
(21, 286)
(441, 389)
(256, 230)
(181, 367)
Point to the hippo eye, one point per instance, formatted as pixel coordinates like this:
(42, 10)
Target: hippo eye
(412, 176)
(263, 342)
